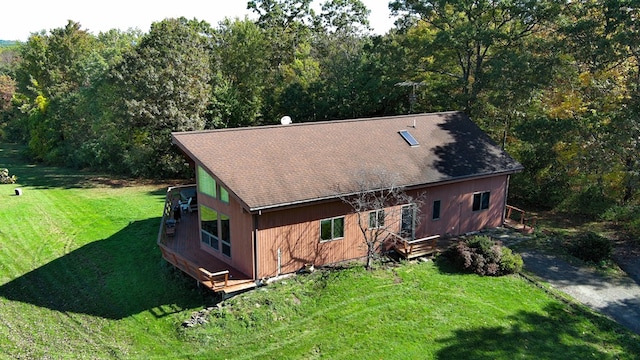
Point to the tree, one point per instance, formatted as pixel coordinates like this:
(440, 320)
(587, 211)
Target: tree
(54, 68)
(346, 16)
(7, 89)
(459, 43)
(242, 73)
(162, 86)
(381, 205)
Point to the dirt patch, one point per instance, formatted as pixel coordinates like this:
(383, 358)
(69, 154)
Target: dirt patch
(104, 181)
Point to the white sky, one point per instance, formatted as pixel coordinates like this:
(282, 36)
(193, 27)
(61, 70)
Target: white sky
(20, 18)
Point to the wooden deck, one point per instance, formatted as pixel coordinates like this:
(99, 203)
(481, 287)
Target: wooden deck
(180, 246)
(517, 219)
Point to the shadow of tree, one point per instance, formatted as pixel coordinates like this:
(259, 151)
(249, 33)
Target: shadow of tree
(42, 176)
(626, 312)
(558, 334)
(110, 278)
(471, 152)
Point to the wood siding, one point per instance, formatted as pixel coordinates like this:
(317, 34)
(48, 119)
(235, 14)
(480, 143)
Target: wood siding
(456, 214)
(295, 235)
(241, 232)
(288, 239)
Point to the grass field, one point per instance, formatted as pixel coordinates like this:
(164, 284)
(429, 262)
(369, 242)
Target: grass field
(81, 277)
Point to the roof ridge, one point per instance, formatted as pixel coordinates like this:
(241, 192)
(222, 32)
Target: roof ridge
(314, 123)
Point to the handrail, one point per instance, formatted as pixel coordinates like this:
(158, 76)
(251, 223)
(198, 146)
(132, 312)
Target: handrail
(432, 237)
(213, 277)
(523, 218)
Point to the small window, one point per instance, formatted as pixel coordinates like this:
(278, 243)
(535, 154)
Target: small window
(376, 219)
(224, 195)
(435, 215)
(480, 201)
(331, 229)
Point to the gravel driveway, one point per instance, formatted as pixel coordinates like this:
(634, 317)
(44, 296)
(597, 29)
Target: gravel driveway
(616, 297)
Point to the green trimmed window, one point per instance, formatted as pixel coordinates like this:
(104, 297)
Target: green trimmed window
(224, 195)
(332, 229)
(215, 229)
(209, 227)
(206, 184)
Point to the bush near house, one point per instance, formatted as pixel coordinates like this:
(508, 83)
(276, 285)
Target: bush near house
(589, 246)
(484, 256)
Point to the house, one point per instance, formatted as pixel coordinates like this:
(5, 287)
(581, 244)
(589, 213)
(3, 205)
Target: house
(270, 198)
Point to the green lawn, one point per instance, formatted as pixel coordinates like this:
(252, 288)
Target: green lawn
(81, 277)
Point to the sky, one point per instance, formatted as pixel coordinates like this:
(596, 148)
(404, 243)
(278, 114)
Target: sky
(21, 18)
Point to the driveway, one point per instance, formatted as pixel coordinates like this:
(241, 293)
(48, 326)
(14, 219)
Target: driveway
(616, 297)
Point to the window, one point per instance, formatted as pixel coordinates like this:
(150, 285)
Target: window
(206, 184)
(215, 230)
(224, 195)
(331, 229)
(209, 227)
(376, 219)
(406, 135)
(480, 201)
(407, 224)
(225, 235)
(435, 215)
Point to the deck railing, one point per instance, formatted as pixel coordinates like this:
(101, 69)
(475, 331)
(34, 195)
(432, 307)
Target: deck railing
(522, 223)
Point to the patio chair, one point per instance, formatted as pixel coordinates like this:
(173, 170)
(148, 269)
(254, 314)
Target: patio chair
(186, 206)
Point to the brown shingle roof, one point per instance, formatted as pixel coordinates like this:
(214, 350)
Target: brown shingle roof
(270, 166)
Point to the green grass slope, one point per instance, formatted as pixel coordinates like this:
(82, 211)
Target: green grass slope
(81, 277)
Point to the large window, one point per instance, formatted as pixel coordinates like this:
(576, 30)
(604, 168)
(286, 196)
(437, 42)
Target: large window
(206, 184)
(215, 230)
(376, 219)
(209, 227)
(480, 201)
(407, 223)
(331, 229)
(435, 214)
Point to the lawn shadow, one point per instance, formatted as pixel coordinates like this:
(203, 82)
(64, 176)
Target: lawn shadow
(113, 278)
(556, 334)
(41, 176)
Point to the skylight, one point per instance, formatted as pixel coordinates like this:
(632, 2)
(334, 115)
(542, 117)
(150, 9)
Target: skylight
(406, 135)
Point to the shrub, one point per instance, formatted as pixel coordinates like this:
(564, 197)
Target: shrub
(510, 263)
(626, 216)
(591, 247)
(484, 256)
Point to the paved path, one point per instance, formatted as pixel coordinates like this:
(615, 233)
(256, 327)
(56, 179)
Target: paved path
(616, 297)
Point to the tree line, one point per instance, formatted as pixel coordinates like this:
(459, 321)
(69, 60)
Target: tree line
(556, 82)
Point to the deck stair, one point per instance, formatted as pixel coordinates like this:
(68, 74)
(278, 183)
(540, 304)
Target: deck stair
(522, 221)
(410, 249)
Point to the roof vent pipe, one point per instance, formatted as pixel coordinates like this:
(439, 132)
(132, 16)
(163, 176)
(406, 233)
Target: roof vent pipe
(285, 120)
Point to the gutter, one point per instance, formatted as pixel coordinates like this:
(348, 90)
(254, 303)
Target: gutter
(259, 209)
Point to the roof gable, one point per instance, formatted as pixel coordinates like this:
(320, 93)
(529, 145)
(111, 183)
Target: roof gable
(272, 166)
